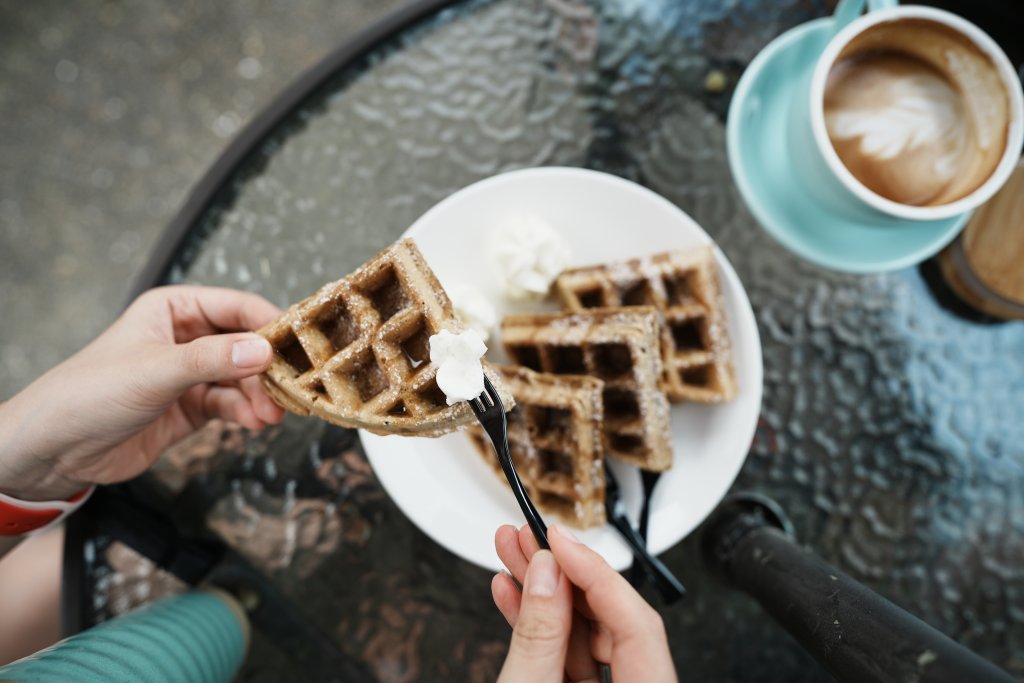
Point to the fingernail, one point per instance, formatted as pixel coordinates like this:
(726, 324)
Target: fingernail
(250, 353)
(565, 533)
(542, 574)
(515, 582)
(512, 579)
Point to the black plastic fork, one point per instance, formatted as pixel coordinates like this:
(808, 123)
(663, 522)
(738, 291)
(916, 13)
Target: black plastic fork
(491, 415)
(649, 480)
(664, 580)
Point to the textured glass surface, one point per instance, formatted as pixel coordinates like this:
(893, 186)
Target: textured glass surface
(891, 431)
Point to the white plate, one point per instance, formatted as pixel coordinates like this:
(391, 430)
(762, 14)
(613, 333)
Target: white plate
(444, 487)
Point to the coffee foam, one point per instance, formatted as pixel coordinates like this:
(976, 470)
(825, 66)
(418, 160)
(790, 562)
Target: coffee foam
(916, 112)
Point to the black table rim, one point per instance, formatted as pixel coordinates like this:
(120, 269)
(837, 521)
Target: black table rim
(262, 125)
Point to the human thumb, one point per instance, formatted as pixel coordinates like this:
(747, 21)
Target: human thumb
(215, 358)
(540, 638)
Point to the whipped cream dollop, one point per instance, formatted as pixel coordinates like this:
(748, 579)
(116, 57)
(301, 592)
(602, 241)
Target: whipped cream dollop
(460, 374)
(473, 309)
(529, 254)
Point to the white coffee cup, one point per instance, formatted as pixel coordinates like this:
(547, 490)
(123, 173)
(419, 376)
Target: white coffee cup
(919, 101)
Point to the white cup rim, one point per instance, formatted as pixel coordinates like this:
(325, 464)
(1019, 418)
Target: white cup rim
(1015, 134)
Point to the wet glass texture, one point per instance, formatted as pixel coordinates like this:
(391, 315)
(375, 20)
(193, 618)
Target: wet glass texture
(891, 430)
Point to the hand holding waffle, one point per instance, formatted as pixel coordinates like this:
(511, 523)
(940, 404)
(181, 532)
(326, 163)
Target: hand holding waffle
(176, 358)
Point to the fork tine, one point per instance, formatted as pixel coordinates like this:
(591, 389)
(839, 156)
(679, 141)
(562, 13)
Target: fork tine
(477, 405)
(492, 394)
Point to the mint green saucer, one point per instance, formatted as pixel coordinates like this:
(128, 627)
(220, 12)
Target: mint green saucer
(759, 156)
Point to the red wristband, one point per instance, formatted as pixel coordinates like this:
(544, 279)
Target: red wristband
(19, 517)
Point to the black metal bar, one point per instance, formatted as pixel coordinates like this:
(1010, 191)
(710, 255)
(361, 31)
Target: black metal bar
(135, 514)
(76, 586)
(855, 633)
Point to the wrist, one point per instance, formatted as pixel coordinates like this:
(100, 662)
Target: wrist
(27, 470)
(56, 488)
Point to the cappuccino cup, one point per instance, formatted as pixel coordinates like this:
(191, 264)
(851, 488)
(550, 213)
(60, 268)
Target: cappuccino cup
(910, 112)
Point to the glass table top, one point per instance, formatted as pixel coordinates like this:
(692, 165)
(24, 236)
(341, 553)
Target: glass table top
(891, 430)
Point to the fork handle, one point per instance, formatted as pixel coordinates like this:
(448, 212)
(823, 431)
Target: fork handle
(649, 480)
(537, 526)
(664, 580)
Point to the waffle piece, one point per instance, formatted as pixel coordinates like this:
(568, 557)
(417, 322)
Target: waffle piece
(554, 435)
(683, 286)
(617, 345)
(357, 352)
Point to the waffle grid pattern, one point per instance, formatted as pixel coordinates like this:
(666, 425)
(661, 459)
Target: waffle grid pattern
(357, 352)
(556, 443)
(683, 286)
(554, 435)
(618, 346)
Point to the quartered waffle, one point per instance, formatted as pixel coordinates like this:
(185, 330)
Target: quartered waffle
(683, 286)
(619, 346)
(554, 435)
(357, 353)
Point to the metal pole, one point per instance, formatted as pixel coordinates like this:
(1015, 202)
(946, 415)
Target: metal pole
(855, 633)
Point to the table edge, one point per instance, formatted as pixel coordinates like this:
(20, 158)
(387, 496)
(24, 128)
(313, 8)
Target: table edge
(264, 124)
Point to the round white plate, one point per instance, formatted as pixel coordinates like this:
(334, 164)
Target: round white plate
(445, 488)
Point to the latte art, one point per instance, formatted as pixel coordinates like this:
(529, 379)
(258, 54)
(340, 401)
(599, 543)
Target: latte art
(899, 126)
(916, 112)
(919, 110)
